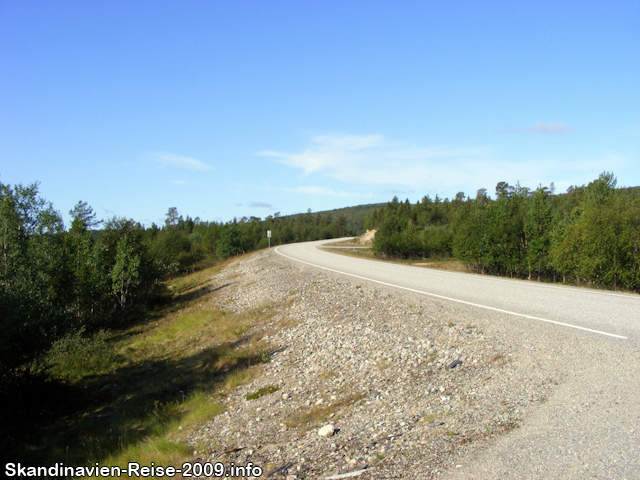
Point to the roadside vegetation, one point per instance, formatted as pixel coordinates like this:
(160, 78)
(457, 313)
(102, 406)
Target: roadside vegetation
(135, 393)
(99, 275)
(77, 311)
(587, 236)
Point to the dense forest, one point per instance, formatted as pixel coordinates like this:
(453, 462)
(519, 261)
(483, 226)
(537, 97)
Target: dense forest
(589, 235)
(57, 283)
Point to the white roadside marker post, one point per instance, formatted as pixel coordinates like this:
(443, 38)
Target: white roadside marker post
(269, 237)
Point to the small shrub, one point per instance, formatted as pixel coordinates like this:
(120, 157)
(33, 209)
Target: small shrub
(75, 356)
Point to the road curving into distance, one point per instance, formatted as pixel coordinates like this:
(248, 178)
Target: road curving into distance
(589, 427)
(597, 312)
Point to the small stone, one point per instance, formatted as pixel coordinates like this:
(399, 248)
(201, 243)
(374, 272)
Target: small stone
(453, 364)
(285, 396)
(326, 431)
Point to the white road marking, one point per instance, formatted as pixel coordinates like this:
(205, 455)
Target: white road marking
(456, 300)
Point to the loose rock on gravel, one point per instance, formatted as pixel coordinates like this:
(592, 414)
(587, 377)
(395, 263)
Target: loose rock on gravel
(376, 367)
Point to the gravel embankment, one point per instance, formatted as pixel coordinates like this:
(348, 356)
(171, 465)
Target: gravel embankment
(372, 362)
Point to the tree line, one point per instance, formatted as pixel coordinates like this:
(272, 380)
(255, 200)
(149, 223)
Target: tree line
(591, 234)
(56, 281)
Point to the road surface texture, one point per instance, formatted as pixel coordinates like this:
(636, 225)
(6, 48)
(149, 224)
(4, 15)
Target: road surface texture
(590, 425)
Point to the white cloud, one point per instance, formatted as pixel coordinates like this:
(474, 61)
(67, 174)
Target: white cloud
(553, 128)
(260, 205)
(181, 161)
(371, 159)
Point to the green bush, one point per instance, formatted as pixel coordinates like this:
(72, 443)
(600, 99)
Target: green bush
(75, 356)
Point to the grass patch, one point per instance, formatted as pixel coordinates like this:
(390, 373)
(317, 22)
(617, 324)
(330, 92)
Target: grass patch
(383, 364)
(327, 375)
(449, 264)
(319, 414)
(261, 392)
(156, 449)
(498, 360)
(428, 418)
(353, 242)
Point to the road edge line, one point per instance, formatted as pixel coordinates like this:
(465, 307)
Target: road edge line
(456, 300)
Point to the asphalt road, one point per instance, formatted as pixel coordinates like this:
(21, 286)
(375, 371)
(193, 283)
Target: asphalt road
(611, 314)
(589, 428)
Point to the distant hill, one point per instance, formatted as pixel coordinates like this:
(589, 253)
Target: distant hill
(355, 215)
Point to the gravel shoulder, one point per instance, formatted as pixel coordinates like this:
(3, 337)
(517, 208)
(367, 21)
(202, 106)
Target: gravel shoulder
(524, 400)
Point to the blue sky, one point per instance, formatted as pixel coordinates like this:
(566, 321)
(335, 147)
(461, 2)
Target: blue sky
(236, 108)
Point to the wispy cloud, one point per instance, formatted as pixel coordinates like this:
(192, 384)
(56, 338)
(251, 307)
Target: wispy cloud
(553, 128)
(364, 163)
(260, 205)
(171, 159)
(370, 159)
